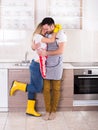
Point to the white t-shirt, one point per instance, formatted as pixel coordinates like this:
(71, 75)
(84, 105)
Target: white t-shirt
(60, 37)
(37, 39)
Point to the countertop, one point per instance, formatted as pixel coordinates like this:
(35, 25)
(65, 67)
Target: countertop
(13, 65)
(18, 65)
(80, 65)
(70, 66)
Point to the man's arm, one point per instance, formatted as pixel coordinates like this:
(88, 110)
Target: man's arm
(60, 50)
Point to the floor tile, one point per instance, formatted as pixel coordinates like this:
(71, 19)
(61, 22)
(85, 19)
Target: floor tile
(3, 118)
(66, 120)
(58, 123)
(75, 121)
(16, 121)
(35, 123)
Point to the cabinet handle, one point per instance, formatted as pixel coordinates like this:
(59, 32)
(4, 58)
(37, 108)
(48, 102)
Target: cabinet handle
(15, 70)
(92, 77)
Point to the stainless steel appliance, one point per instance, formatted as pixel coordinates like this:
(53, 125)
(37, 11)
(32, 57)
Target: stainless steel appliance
(86, 84)
(84, 64)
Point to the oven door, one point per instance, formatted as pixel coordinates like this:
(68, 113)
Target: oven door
(86, 84)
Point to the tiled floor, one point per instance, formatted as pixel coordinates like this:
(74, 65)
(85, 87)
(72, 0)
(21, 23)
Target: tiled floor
(67, 120)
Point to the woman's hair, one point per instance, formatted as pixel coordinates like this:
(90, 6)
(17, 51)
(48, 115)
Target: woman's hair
(38, 29)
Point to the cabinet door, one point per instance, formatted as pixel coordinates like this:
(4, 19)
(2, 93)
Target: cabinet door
(67, 83)
(66, 99)
(19, 100)
(3, 90)
(67, 12)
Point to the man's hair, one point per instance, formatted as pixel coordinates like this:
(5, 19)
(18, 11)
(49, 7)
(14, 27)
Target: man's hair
(48, 20)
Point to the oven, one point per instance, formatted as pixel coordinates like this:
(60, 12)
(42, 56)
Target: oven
(86, 84)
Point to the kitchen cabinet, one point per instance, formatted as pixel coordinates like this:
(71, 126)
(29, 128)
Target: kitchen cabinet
(3, 90)
(66, 96)
(67, 12)
(17, 14)
(66, 99)
(18, 101)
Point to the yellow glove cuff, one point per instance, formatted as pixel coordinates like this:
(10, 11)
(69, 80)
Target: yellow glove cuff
(57, 28)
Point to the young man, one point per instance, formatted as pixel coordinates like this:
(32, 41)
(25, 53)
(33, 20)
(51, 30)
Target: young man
(54, 68)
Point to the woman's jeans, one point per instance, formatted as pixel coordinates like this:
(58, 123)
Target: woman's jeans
(36, 80)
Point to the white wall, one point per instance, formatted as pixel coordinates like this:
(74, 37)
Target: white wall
(79, 46)
(14, 44)
(41, 10)
(82, 44)
(90, 14)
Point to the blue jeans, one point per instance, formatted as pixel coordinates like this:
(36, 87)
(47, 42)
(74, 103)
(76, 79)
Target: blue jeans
(36, 80)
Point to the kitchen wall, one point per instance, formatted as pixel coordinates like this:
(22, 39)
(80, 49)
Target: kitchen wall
(81, 46)
(90, 14)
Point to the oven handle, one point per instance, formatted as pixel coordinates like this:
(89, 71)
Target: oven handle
(91, 77)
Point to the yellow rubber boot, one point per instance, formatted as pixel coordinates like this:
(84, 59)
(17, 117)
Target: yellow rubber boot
(31, 109)
(17, 86)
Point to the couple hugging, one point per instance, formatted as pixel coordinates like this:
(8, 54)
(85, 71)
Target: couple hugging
(45, 68)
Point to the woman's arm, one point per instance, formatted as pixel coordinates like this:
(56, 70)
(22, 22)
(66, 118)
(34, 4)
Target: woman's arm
(57, 28)
(60, 50)
(35, 46)
(49, 40)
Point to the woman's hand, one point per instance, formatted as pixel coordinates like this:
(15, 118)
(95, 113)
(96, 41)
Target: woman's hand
(35, 46)
(42, 52)
(57, 28)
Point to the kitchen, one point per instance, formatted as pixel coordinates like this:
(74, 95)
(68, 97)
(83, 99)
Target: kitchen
(16, 38)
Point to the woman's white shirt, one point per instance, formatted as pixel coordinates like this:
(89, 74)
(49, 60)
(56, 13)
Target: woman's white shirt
(37, 40)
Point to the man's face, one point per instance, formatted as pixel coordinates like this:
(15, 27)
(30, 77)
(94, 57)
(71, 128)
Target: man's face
(47, 28)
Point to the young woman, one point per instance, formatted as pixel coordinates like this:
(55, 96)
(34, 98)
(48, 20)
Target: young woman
(38, 38)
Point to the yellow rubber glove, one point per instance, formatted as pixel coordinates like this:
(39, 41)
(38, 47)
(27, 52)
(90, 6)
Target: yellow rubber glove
(57, 28)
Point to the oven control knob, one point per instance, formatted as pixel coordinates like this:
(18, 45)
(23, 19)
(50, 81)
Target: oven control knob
(89, 71)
